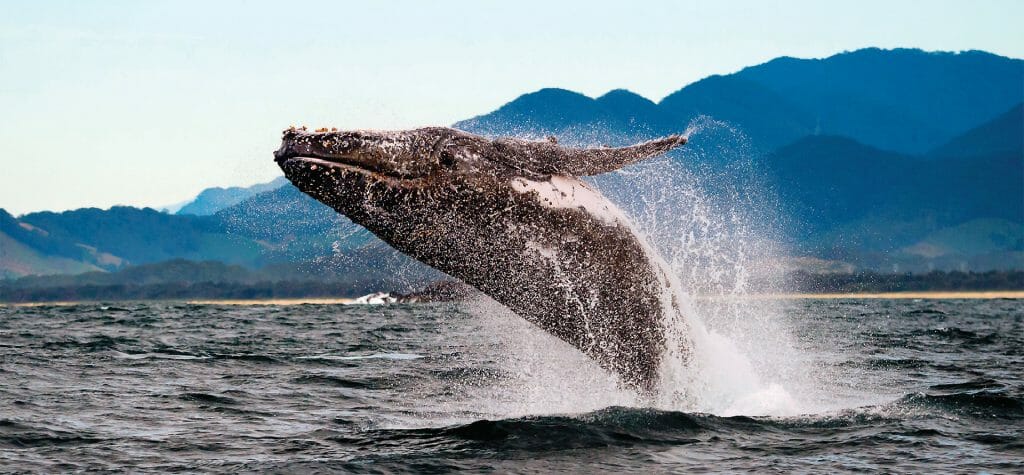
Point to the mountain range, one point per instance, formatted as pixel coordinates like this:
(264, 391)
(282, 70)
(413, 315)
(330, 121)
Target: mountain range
(881, 159)
(901, 100)
(212, 200)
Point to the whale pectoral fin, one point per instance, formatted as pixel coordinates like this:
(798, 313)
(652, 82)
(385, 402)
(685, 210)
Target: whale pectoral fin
(548, 158)
(594, 161)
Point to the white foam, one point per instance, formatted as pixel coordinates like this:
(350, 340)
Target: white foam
(732, 357)
(376, 298)
(374, 356)
(728, 355)
(157, 356)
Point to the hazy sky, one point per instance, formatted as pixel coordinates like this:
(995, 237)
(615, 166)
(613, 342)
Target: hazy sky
(146, 102)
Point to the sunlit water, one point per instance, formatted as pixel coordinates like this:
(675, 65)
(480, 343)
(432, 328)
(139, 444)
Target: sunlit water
(911, 386)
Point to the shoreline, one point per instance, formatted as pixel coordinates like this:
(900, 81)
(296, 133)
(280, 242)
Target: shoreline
(290, 301)
(915, 295)
(929, 294)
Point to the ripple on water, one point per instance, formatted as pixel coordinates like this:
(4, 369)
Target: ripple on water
(332, 388)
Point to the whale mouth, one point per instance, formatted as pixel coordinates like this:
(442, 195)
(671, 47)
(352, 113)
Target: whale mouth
(341, 164)
(289, 151)
(314, 162)
(306, 152)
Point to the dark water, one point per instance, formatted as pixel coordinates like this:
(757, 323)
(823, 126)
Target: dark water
(916, 386)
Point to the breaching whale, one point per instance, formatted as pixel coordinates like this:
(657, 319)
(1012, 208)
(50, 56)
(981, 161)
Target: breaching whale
(511, 218)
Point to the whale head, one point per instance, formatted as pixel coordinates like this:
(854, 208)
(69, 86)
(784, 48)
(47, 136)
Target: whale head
(397, 184)
(410, 154)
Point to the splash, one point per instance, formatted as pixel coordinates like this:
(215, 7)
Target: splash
(707, 211)
(709, 219)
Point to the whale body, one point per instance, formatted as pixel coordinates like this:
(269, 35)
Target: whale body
(511, 218)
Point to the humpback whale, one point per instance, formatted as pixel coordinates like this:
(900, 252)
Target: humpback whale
(511, 218)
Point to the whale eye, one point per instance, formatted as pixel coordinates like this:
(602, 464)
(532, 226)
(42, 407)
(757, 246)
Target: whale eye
(447, 159)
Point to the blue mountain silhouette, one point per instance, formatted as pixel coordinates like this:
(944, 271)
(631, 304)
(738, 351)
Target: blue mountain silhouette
(883, 158)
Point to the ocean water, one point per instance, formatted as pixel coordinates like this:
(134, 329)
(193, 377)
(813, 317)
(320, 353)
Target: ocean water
(863, 385)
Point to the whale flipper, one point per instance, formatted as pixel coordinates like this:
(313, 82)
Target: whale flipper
(548, 158)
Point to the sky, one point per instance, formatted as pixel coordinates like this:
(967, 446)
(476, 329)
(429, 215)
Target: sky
(147, 103)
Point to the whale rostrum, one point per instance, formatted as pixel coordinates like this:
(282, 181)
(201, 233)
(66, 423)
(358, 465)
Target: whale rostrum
(511, 218)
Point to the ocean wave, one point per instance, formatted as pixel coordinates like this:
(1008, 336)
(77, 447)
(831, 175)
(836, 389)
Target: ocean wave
(206, 398)
(979, 404)
(974, 384)
(627, 425)
(340, 382)
(610, 426)
(17, 435)
(92, 344)
(248, 357)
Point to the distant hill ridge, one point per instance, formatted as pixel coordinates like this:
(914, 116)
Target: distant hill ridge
(212, 200)
(903, 100)
(878, 208)
(1000, 135)
(888, 159)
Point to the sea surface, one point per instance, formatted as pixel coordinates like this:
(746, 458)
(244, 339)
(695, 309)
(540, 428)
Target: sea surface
(870, 385)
